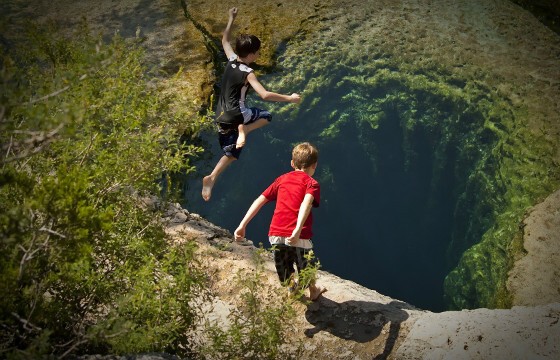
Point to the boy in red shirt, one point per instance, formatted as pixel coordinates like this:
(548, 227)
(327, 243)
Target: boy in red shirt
(295, 194)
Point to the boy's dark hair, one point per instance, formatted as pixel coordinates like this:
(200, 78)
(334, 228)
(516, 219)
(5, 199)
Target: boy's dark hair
(304, 155)
(247, 44)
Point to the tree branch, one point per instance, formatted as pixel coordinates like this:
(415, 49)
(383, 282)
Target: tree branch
(38, 141)
(50, 231)
(26, 324)
(57, 92)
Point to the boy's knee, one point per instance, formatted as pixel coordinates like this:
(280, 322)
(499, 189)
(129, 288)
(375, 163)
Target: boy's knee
(263, 122)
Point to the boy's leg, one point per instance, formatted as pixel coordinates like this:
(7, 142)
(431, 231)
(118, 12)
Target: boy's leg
(209, 181)
(244, 130)
(284, 265)
(301, 262)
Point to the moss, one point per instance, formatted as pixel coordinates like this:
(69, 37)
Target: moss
(504, 166)
(526, 172)
(501, 166)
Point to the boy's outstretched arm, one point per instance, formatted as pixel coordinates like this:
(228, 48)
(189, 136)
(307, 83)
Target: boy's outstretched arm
(269, 95)
(253, 210)
(227, 32)
(304, 210)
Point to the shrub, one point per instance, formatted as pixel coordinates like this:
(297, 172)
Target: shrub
(261, 327)
(83, 266)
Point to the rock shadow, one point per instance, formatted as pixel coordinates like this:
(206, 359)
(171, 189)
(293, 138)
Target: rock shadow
(360, 321)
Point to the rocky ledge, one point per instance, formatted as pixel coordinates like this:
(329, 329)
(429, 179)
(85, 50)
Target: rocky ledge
(352, 322)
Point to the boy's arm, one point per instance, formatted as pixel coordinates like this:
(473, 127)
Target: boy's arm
(253, 210)
(227, 32)
(304, 210)
(269, 95)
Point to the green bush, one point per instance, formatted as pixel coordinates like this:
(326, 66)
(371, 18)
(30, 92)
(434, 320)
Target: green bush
(83, 266)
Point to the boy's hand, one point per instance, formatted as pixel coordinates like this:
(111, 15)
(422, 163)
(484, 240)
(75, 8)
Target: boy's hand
(293, 239)
(233, 12)
(295, 98)
(239, 234)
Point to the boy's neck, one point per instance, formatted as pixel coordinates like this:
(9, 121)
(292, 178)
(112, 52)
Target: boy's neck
(247, 60)
(309, 171)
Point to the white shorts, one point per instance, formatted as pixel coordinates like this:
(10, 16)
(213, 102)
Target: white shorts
(301, 243)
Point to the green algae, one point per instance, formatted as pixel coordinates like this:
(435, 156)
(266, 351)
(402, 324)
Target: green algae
(502, 167)
(356, 86)
(527, 173)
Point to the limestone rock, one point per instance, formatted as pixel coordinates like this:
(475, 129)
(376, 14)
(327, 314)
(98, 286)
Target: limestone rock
(350, 321)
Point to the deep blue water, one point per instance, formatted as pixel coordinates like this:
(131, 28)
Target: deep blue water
(383, 224)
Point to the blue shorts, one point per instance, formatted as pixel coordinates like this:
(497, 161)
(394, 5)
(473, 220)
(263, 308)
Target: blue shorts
(227, 133)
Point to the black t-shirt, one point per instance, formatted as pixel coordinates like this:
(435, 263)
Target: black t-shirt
(234, 90)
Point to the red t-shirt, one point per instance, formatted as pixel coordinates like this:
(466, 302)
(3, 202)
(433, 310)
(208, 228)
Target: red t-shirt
(289, 190)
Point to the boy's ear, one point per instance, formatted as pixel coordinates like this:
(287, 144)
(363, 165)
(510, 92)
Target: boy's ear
(292, 164)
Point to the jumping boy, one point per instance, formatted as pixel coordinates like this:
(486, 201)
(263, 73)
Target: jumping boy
(295, 193)
(234, 119)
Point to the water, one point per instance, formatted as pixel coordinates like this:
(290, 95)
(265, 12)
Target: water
(383, 223)
(393, 155)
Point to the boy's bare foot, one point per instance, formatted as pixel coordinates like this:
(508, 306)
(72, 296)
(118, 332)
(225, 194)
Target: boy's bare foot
(316, 291)
(207, 184)
(240, 140)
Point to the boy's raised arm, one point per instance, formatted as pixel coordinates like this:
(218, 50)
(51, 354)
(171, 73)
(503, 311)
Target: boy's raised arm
(253, 210)
(227, 32)
(304, 210)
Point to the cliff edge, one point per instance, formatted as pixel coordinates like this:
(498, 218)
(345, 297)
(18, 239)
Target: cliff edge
(352, 322)
(535, 277)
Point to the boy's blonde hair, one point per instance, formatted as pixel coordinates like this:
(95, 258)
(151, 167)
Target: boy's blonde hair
(304, 155)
